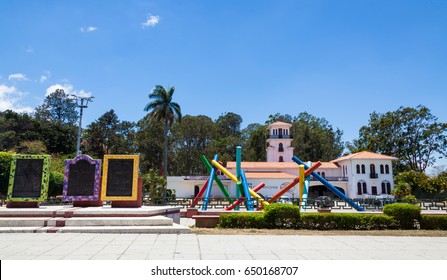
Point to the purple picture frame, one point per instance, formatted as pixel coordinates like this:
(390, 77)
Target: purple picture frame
(97, 182)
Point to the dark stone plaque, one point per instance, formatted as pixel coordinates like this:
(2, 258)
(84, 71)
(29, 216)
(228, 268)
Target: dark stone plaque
(81, 179)
(120, 177)
(28, 178)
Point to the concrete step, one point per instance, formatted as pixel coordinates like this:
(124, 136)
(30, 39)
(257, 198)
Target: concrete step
(173, 229)
(23, 222)
(111, 221)
(86, 221)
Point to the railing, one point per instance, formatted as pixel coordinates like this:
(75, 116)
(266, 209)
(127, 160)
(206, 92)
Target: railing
(331, 179)
(280, 137)
(373, 175)
(372, 203)
(204, 178)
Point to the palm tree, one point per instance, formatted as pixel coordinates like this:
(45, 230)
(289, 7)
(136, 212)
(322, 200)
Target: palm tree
(163, 109)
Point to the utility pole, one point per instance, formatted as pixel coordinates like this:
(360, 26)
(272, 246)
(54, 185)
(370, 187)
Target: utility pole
(80, 103)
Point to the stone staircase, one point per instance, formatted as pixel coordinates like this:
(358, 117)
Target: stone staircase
(60, 219)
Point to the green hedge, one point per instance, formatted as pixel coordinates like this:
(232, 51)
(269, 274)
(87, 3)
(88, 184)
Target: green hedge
(55, 184)
(434, 222)
(346, 221)
(241, 220)
(286, 216)
(5, 165)
(407, 215)
(282, 216)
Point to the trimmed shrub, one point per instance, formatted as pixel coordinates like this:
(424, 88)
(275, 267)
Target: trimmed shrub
(241, 220)
(5, 165)
(434, 222)
(342, 221)
(406, 215)
(282, 216)
(56, 183)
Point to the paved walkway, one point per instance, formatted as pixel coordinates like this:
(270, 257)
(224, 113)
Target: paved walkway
(74, 246)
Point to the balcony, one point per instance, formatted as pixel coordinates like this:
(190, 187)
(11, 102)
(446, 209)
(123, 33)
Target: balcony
(203, 178)
(373, 175)
(333, 179)
(280, 137)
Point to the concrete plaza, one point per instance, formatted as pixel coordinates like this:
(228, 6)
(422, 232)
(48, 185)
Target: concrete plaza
(84, 246)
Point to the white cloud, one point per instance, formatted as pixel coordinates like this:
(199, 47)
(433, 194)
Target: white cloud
(29, 49)
(68, 89)
(9, 97)
(88, 29)
(44, 76)
(151, 21)
(17, 76)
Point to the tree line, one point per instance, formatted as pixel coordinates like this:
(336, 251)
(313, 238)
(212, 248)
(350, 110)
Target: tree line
(413, 135)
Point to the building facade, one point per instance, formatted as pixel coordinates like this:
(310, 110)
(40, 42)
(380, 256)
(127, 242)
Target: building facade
(359, 175)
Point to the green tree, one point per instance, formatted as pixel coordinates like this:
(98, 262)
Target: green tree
(162, 108)
(108, 135)
(315, 139)
(227, 136)
(155, 185)
(255, 138)
(189, 140)
(149, 133)
(279, 118)
(413, 135)
(16, 128)
(59, 107)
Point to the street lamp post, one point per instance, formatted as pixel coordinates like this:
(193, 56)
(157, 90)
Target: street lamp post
(80, 103)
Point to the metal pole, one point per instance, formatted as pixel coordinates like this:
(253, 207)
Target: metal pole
(78, 143)
(81, 111)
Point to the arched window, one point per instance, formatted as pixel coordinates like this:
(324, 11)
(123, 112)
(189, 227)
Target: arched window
(372, 168)
(383, 187)
(365, 189)
(363, 169)
(381, 169)
(387, 169)
(359, 188)
(280, 148)
(323, 174)
(388, 188)
(358, 168)
(281, 159)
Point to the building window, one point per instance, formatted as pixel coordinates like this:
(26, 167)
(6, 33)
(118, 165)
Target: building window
(280, 148)
(363, 169)
(358, 168)
(359, 188)
(381, 169)
(372, 168)
(281, 159)
(323, 174)
(387, 169)
(365, 189)
(374, 190)
(386, 187)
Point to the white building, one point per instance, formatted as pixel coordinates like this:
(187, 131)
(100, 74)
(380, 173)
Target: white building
(359, 175)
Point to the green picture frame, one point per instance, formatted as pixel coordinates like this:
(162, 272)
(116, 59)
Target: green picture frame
(44, 180)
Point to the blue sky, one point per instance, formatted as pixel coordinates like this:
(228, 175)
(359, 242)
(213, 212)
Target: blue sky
(340, 60)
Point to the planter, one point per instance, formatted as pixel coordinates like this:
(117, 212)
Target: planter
(324, 210)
